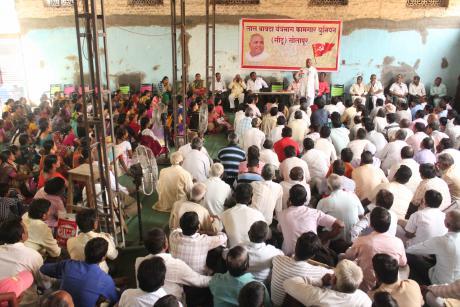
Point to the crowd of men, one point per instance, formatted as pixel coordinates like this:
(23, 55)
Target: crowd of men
(324, 202)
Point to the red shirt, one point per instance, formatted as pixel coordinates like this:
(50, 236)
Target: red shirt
(279, 146)
(323, 88)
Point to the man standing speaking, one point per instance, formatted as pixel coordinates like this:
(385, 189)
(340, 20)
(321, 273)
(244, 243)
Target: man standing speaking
(309, 84)
(256, 51)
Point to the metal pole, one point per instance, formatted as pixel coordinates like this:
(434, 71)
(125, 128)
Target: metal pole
(174, 68)
(184, 64)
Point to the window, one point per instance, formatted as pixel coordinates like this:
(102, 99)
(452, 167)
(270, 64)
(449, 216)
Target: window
(328, 2)
(237, 2)
(427, 3)
(58, 3)
(145, 2)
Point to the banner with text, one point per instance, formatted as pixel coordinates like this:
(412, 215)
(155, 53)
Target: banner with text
(285, 44)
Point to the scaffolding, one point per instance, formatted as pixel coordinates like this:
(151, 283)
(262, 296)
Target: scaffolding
(93, 56)
(210, 44)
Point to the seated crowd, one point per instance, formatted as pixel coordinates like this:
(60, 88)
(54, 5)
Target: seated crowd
(328, 203)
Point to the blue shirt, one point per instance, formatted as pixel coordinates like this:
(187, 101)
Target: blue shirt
(85, 282)
(225, 289)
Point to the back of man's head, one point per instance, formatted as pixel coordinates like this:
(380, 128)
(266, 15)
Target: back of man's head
(334, 182)
(325, 132)
(268, 172)
(167, 301)
(391, 118)
(361, 134)
(197, 143)
(308, 144)
(58, 298)
(198, 192)
(86, 220)
(232, 138)
(298, 195)
(252, 295)
(407, 152)
(54, 186)
(298, 114)
(12, 231)
(95, 250)
(281, 121)
(237, 261)
(384, 299)
(380, 219)
(348, 276)
(258, 232)
(217, 170)
(433, 199)
(427, 171)
(286, 132)
(400, 135)
(346, 155)
(189, 223)
(151, 274)
(427, 143)
(268, 144)
(155, 241)
(452, 220)
(307, 245)
(366, 157)
(296, 173)
(386, 268)
(335, 119)
(290, 151)
(39, 207)
(384, 199)
(403, 174)
(243, 193)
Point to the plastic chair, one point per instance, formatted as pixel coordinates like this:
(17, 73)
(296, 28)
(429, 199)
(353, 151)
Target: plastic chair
(337, 90)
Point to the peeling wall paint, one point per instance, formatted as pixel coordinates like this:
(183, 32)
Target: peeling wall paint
(145, 52)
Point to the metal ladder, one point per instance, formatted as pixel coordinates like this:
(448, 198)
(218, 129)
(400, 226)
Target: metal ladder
(90, 28)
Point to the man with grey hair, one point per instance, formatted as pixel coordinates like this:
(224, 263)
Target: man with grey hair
(217, 191)
(196, 162)
(174, 184)
(207, 223)
(341, 204)
(340, 289)
(446, 250)
(451, 175)
(267, 196)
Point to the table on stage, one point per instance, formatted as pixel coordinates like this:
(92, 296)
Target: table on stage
(281, 93)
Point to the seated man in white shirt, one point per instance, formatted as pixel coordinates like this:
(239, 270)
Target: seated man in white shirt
(293, 161)
(196, 162)
(151, 278)
(375, 90)
(217, 190)
(219, 85)
(253, 136)
(426, 223)
(268, 156)
(323, 144)
(399, 90)
(15, 257)
(267, 195)
(446, 249)
(340, 289)
(358, 91)
(178, 273)
(318, 165)
(40, 237)
(391, 153)
(407, 155)
(363, 227)
(417, 91)
(438, 90)
(340, 135)
(238, 219)
(87, 221)
(295, 177)
(361, 144)
(338, 168)
(255, 84)
(376, 138)
(260, 253)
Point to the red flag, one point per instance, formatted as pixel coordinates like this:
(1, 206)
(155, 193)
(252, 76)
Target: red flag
(320, 49)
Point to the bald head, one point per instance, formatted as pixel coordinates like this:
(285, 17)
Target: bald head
(198, 192)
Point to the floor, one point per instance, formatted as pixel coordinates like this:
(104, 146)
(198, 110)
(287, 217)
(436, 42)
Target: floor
(124, 264)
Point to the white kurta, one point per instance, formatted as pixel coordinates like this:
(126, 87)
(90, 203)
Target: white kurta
(309, 82)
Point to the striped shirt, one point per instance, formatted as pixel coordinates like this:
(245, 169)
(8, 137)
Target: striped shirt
(230, 157)
(249, 177)
(285, 267)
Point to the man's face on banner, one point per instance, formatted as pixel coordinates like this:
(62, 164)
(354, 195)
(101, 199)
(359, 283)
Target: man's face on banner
(256, 45)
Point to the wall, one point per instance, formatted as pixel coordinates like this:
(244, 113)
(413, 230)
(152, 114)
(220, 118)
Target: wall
(382, 37)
